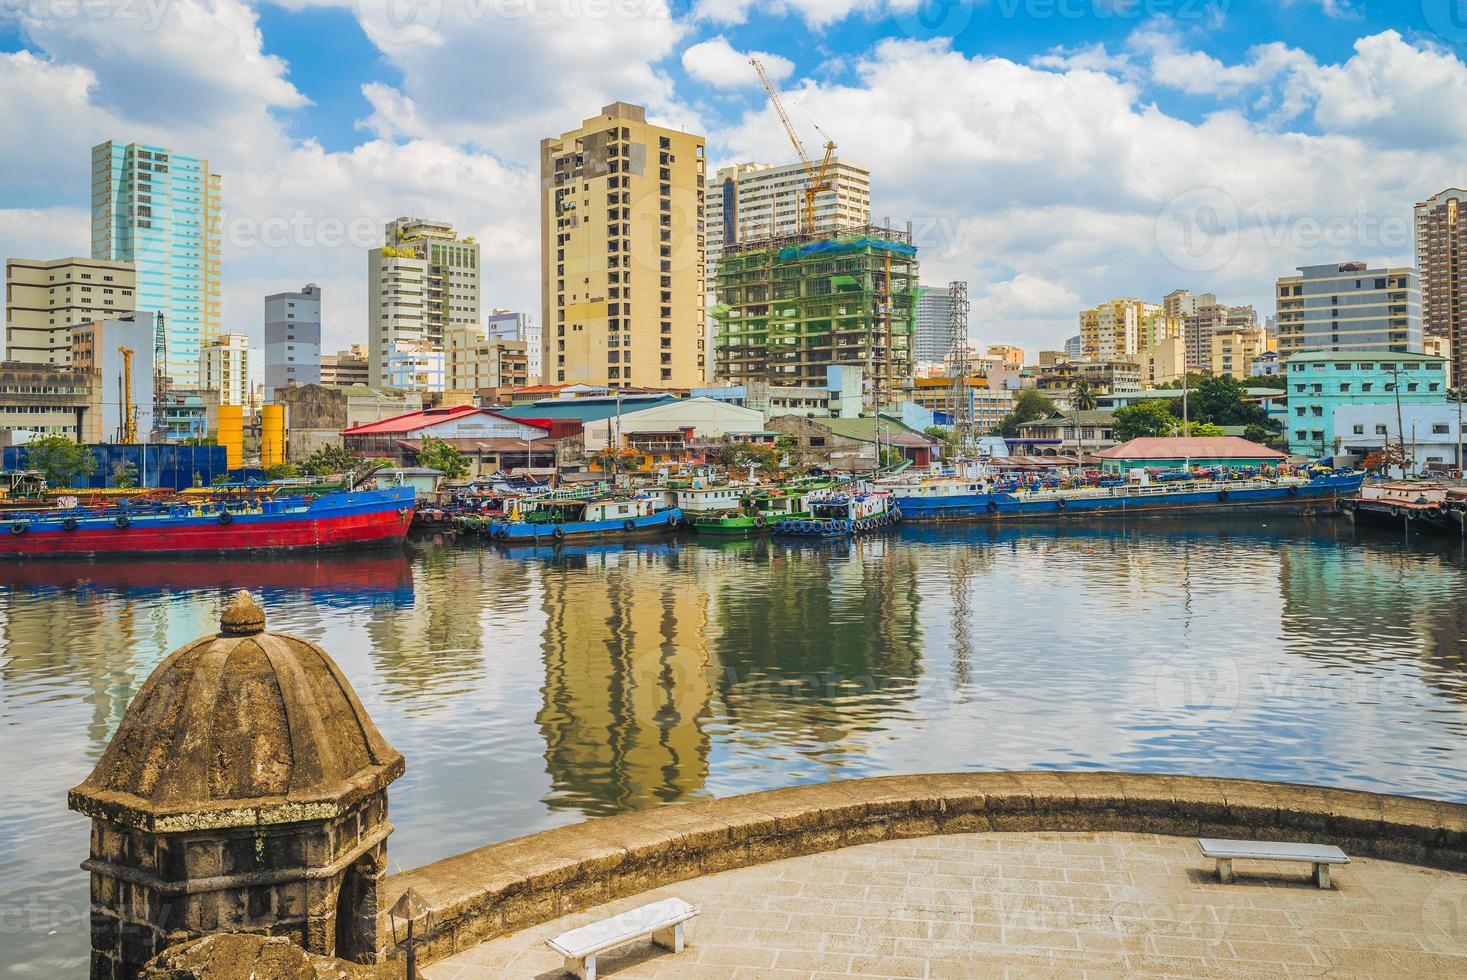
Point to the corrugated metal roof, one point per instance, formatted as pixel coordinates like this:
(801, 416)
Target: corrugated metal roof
(414, 421)
(584, 409)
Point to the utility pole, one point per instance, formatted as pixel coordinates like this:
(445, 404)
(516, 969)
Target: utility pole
(1400, 422)
(958, 368)
(1185, 429)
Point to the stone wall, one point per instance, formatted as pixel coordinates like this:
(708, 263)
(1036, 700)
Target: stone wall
(519, 883)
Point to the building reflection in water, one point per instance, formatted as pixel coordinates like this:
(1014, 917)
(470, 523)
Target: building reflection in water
(627, 677)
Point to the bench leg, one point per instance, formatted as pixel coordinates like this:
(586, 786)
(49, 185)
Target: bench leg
(583, 967)
(1321, 875)
(669, 938)
(1225, 870)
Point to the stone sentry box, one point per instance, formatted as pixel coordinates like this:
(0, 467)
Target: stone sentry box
(245, 791)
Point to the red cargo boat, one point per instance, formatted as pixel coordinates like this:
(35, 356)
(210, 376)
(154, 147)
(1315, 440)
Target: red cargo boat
(282, 524)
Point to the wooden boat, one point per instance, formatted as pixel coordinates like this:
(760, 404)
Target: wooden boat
(545, 520)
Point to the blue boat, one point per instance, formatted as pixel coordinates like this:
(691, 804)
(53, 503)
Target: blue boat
(953, 499)
(547, 521)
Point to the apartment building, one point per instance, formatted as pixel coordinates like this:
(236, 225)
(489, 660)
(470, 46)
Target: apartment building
(422, 281)
(623, 244)
(1441, 264)
(225, 368)
(1116, 329)
(1232, 352)
(932, 340)
(1349, 307)
(477, 363)
(760, 200)
(1207, 318)
(292, 339)
(509, 325)
(44, 299)
(346, 367)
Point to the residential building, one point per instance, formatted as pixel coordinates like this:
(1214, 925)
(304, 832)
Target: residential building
(760, 200)
(1442, 347)
(45, 299)
(850, 444)
(346, 367)
(1104, 377)
(933, 337)
(1165, 363)
(1075, 347)
(292, 339)
(791, 308)
(623, 254)
(509, 325)
(423, 280)
(478, 364)
(1441, 263)
(1232, 352)
(49, 400)
(1115, 329)
(1210, 317)
(1433, 434)
(1067, 433)
(1179, 304)
(159, 210)
(1266, 365)
(226, 368)
(184, 415)
(1319, 382)
(120, 352)
(1007, 354)
(1349, 307)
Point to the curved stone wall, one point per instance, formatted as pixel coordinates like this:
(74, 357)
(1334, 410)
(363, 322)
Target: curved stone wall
(519, 883)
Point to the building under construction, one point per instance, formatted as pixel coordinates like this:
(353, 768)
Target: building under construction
(789, 307)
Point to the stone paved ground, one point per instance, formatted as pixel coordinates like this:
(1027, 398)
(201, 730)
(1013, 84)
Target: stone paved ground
(1024, 905)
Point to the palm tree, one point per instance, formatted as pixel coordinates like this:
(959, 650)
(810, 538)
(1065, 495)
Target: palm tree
(1082, 399)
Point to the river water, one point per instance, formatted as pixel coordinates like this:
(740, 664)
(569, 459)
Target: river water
(534, 688)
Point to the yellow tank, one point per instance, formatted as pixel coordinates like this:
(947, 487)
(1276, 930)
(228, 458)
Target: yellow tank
(230, 434)
(272, 435)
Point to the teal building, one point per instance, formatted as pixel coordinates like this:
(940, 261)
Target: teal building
(1321, 381)
(160, 211)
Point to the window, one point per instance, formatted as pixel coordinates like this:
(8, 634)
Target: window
(1359, 430)
(1440, 428)
(1380, 430)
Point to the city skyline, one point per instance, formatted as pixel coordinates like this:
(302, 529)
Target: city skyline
(1335, 125)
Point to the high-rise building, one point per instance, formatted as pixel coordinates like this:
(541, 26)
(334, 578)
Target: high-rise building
(225, 368)
(623, 254)
(1231, 351)
(1116, 329)
(1348, 307)
(1207, 318)
(292, 339)
(346, 367)
(423, 280)
(1075, 347)
(509, 325)
(759, 200)
(1441, 263)
(932, 340)
(159, 210)
(45, 299)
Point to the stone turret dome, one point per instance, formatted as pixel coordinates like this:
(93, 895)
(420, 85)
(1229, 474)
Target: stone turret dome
(238, 729)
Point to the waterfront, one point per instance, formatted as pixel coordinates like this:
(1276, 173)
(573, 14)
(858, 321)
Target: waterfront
(531, 688)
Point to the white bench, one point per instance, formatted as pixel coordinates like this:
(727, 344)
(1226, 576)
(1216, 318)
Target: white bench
(1228, 851)
(663, 921)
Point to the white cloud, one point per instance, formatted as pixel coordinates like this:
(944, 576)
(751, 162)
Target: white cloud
(716, 62)
(816, 13)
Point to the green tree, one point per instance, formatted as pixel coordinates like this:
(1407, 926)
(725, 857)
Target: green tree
(947, 436)
(435, 454)
(1028, 406)
(282, 471)
(1083, 397)
(334, 459)
(199, 441)
(124, 474)
(1221, 400)
(59, 460)
(1151, 417)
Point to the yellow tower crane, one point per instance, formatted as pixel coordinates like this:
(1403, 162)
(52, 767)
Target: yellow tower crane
(124, 392)
(819, 176)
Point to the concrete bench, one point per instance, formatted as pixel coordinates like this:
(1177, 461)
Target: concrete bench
(663, 921)
(1228, 851)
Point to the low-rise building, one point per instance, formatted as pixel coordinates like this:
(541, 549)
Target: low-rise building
(482, 434)
(346, 367)
(850, 445)
(49, 400)
(1319, 382)
(1066, 434)
(1433, 435)
(120, 350)
(488, 367)
(1104, 377)
(1184, 452)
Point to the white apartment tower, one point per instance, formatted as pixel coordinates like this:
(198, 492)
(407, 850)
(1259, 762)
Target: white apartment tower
(759, 200)
(422, 281)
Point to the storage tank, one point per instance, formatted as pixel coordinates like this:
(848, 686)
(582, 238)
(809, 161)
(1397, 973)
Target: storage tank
(230, 434)
(272, 436)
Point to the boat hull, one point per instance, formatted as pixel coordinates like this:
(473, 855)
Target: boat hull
(1318, 496)
(622, 529)
(337, 520)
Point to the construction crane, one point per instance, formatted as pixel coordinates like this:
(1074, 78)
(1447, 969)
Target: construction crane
(124, 392)
(819, 176)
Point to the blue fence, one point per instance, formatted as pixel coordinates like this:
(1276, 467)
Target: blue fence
(166, 466)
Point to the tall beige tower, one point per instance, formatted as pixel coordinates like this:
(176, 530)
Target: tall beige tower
(623, 254)
(1441, 262)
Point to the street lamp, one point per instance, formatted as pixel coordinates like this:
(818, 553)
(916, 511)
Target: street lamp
(409, 906)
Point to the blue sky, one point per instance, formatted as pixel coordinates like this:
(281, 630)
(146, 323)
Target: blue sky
(1051, 152)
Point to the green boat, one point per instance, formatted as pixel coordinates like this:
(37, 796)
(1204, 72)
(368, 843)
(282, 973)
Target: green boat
(760, 509)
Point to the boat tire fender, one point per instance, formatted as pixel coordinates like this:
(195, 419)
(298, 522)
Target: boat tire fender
(672, 520)
(121, 521)
(501, 533)
(628, 525)
(558, 534)
(992, 507)
(1222, 495)
(18, 527)
(225, 517)
(1062, 503)
(69, 524)
(760, 522)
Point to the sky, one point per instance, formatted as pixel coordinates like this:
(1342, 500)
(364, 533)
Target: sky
(1053, 153)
